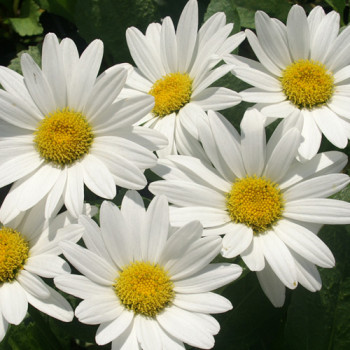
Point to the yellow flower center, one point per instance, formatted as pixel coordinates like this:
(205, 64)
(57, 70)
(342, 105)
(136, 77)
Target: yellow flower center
(14, 251)
(307, 83)
(256, 202)
(171, 93)
(63, 137)
(144, 288)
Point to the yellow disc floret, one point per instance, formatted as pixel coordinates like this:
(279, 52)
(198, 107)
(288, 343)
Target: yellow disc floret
(171, 93)
(307, 83)
(256, 202)
(144, 288)
(14, 252)
(63, 137)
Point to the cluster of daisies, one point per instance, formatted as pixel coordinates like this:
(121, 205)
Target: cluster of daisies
(146, 275)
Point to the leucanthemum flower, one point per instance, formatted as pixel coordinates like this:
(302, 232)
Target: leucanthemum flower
(60, 129)
(177, 68)
(28, 251)
(304, 66)
(146, 285)
(268, 205)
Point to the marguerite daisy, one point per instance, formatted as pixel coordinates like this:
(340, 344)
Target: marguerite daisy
(177, 68)
(147, 287)
(260, 198)
(28, 251)
(305, 67)
(61, 129)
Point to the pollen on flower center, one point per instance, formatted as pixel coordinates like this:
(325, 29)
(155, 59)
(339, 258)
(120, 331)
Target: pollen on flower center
(144, 288)
(256, 202)
(63, 137)
(307, 83)
(171, 93)
(14, 251)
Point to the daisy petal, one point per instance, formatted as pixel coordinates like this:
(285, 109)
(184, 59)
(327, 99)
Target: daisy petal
(280, 259)
(204, 303)
(272, 286)
(13, 302)
(305, 243)
(110, 330)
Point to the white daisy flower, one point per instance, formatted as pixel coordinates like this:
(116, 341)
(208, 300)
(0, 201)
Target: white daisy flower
(28, 251)
(147, 287)
(177, 68)
(61, 130)
(305, 67)
(267, 204)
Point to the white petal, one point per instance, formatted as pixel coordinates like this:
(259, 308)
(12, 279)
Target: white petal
(318, 187)
(311, 135)
(53, 68)
(89, 264)
(155, 234)
(279, 258)
(298, 33)
(105, 91)
(211, 277)
(186, 35)
(272, 286)
(253, 142)
(184, 326)
(34, 188)
(116, 234)
(74, 192)
(235, 242)
(331, 127)
(208, 303)
(108, 331)
(178, 243)
(305, 243)
(282, 156)
(80, 286)
(84, 75)
(323, 163)
(183, 193)
(13, 302)
(168, 45)
(208, 217)
(326, 33)
(148, 333)
(48, 266)
(99, 309)
(271, 39)
(93, 238)
(37, 85)
(253, 256)
(308, 275)
(33, 284)
(227, 140)
(55, 306)
(257, 78)
(146, 60)
(319, 210)
(98, 178)
(217, 98)
(197, 256)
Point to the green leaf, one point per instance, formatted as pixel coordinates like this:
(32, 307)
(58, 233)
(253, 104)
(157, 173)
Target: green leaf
(108, 21)
(229, 8)
(64, 8)
(33, 51)
(337, 5)
(274, 8)
(28, 22)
